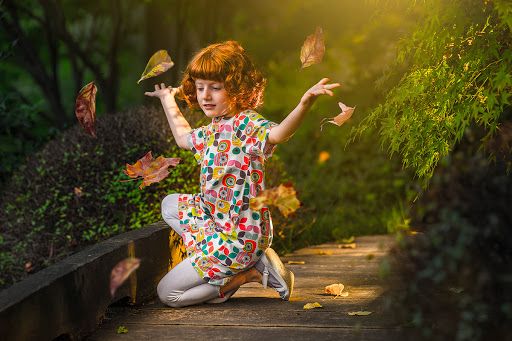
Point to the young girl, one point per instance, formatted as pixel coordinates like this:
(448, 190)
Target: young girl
(227, 243)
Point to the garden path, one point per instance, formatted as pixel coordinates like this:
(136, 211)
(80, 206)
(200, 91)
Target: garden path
(256, 313)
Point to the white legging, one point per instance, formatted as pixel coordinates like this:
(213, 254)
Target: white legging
(182, 286)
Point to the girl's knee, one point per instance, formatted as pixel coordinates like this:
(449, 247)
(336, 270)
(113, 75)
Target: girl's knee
(170, 206)
(168, 297)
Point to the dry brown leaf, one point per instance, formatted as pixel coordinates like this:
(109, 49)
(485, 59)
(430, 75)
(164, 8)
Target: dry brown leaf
(346, 113)
(149, 169)
(283, 197)
(312, 305)
(313, 49)
(320, 252)
(347, 246)
(85, 108)
(121, 271)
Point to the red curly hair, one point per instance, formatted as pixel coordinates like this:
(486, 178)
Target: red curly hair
(226, 63)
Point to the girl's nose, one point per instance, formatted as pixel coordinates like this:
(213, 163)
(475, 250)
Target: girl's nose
(206, 94)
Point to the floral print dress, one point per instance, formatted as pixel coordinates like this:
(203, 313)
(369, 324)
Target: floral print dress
(222, 235)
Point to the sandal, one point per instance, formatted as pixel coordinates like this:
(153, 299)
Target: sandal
(275, 273)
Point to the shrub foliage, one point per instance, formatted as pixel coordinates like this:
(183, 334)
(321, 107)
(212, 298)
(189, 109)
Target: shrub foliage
(68, 195)
(455, 68)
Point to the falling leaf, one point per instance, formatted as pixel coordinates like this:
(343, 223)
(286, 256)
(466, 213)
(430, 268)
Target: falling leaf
(121, 272)
(320, 252)
(85, 108)
(122, 330)
(334, 289)
(346, 113)
(370, 256)
(283, 197)
(78, 192)
(28, 267)
(360, 313)
(312, 305)
(323, 156)
(158, 64)
(347, 246)
(149, 169)
(313, 49)
(292, 262)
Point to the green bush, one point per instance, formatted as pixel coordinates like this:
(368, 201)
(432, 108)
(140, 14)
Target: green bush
(69, 194)
(453, 282)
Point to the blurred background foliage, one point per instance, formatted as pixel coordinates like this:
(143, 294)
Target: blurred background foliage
(50, 49)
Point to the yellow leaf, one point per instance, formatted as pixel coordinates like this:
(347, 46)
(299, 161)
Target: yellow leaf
(313, 49)
(312, 305)
(346, 240)
(320, 252)
(323, 156)
(334, 289)
(283, 197)
(360, 313)
(347, 246)
(291, 262)
(158, 64)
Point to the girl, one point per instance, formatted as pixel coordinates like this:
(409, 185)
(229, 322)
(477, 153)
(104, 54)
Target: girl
(227, 243)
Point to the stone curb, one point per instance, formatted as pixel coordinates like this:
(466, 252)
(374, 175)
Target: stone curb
(70, 297)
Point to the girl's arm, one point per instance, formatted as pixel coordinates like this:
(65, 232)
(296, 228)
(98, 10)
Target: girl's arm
(292, 122)
(179, 125)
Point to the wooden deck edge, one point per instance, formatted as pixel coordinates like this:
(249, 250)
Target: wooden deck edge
(71, 297)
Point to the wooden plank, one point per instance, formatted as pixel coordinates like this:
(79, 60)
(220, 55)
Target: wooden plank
(186, 332)
(257, 313)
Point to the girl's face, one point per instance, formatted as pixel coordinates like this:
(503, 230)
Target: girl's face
(213, 98)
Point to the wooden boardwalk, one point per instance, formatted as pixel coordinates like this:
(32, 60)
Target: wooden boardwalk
(256, 313)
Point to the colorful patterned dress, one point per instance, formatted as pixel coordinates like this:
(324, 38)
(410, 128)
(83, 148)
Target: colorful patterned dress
(222, 235)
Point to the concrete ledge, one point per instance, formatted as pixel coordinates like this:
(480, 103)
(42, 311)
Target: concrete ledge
(71, 297)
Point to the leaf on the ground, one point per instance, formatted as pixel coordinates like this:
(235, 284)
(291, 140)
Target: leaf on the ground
(158, 64)
(283, 197)
(323, 156)
(292, 262)
(323, 253)
(370, 256)
(313, 49)
(347, 246)
(149, 169)
(360, 313)
(347, 240)
(456, 290)
(85, 107)
(122, 330)
(346, 113)
(312, 305)
(121, 272)
(334, 289)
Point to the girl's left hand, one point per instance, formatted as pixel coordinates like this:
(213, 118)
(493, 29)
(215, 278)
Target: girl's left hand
(320, 88)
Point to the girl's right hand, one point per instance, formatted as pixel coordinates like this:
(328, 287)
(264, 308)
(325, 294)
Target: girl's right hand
(162, 91)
